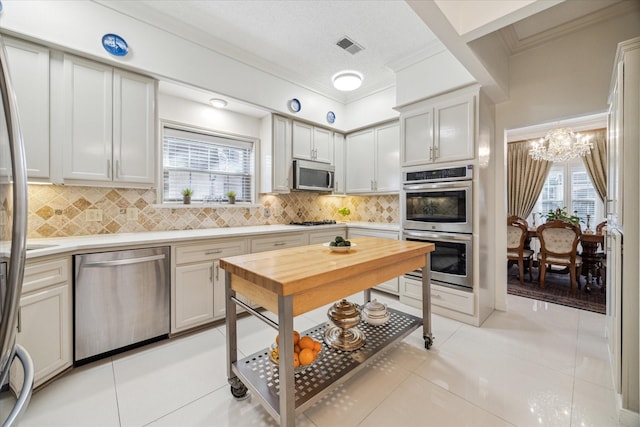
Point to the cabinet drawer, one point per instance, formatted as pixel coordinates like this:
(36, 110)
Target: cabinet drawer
(449, 298)
(262, 244)
(40, 275)
(391, 235)
(326, 236)
(210, 251)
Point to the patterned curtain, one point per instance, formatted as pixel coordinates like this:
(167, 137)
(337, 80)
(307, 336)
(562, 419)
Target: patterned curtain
(525, 179)
(596, 161)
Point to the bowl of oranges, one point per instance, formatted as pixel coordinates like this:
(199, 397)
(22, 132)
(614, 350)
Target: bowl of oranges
(306, 351)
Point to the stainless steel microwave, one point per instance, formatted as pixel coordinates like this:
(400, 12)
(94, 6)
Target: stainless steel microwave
(312, 176)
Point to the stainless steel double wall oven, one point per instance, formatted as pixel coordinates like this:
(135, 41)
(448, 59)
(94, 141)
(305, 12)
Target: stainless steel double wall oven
(438, 208)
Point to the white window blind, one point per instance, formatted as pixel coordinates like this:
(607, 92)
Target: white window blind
(209, 165)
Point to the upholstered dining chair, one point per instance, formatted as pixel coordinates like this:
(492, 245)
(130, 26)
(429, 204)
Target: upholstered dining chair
(601, 266)
(516, 237)
(559, 246)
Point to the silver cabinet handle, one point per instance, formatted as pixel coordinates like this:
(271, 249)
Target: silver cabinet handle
(211, 274)
(217, 251)
(279, 244)
(217, 272)
(127, 261)
(430, 153)
(108, 168)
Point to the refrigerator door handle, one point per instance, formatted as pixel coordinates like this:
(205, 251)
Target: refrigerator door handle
(25, 393)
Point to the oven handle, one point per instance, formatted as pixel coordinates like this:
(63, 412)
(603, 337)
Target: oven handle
(439, 185)
(438, 237)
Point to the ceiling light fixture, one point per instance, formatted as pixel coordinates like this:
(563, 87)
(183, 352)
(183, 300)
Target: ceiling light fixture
(560, 145)
(218, 103)
(347, 80)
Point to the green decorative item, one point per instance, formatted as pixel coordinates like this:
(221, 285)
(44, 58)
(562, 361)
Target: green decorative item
(344, 212)
(562, 215)
(232, 197)
(186, 196)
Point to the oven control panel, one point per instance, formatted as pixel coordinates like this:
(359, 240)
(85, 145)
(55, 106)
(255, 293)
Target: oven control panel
(440, 174)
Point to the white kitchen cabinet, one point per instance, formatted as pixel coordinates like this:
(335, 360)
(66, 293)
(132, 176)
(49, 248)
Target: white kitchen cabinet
(312, 143)
(198, 289)
(372, 164)
(339, 155)
(45, 322)
(275, 155)
(326, 236)
(278, 241)
(29, 69)
(440, 129)
(108, 124)
(443, 299)
(390, 286)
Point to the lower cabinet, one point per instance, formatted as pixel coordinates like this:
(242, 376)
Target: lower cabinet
(441, 297)
(198, 294)
(278, 241)
(390, 286)
(45, 321)
(326, 236)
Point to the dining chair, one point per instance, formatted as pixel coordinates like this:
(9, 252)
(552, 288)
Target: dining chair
(601, 266)
(559, 246)
(516, 237)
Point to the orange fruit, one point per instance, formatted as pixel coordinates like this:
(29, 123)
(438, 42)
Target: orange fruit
(296, 348)
(317, 346)
(296, 360)
(306, 342)
(296, 337)
(306, 356)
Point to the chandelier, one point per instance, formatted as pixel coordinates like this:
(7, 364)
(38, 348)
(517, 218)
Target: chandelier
(560, 145)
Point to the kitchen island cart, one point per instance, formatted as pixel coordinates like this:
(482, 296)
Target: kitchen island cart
(289, 282)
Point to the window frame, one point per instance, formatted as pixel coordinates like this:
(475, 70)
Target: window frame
(254, 162)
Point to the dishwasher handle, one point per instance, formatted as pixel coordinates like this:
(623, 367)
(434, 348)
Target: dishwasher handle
(127, 261)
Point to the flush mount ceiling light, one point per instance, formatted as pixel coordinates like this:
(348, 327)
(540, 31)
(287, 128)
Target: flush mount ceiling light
(347, 80)
(218, 103)
(560, 145)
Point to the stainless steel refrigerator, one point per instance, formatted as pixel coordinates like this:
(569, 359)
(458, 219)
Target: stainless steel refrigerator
(13, 239)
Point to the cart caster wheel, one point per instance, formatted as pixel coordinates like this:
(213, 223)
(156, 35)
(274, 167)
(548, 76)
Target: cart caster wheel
(428, 342)
(239, 393)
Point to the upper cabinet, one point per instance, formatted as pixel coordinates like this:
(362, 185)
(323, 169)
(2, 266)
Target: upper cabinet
(440, 129)
(275, 154)
(29, 70)
(108, 124)
(372, 164)
(339, 162)
(312, 143)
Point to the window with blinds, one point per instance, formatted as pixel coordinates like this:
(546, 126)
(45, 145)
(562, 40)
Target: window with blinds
(209, 165)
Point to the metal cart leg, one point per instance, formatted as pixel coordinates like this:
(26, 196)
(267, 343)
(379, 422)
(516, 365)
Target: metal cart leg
(287, 380)
(238, 389)
(426, 303)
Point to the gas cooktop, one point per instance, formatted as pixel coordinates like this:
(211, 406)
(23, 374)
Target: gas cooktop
(324, 222)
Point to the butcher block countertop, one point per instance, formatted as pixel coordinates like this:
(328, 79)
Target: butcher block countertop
(314, 275)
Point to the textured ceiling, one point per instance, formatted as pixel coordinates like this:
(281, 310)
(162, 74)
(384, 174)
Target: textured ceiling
(296, 40)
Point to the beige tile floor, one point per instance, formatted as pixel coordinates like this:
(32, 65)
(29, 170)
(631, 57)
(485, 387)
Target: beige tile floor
(538, 364)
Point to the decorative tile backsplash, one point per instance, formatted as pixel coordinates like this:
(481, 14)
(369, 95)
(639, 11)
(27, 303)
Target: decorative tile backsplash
(61, 211)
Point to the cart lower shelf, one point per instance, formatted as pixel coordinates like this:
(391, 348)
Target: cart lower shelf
(260, 375)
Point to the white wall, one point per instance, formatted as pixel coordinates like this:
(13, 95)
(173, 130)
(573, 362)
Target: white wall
(567, 78)
(375, 108)
(205, 116)
(434, 75)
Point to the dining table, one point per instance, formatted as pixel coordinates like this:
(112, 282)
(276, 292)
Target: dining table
(590, 242)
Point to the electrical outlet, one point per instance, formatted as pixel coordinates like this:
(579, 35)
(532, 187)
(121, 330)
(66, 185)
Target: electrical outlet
(267, 212)
(93, 214)
(132, 214)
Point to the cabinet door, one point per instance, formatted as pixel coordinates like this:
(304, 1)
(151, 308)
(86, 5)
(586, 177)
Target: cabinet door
(360, 162)
(322, 145)
(219, 303)
(88, 103)
(194, 295)
(417, 137)
(133, 128)
(44, 330)
(339, 162)
(302, 141)
(455, 132)
(387, 159)
(281, 161)
(29, 68)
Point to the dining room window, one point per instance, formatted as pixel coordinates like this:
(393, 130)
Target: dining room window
(208, 164)
(568, 185)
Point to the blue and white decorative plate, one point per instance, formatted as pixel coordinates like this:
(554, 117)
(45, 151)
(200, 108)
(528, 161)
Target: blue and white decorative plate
(331, 117)
(115, 45)
(294, 105)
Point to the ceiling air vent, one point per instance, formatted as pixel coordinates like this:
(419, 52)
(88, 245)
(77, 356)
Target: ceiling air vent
(349, 45)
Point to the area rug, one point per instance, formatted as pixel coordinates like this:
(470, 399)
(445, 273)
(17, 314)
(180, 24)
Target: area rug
(557, 289)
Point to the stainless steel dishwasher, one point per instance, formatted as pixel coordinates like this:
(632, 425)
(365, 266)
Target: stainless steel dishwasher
(121, 301)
